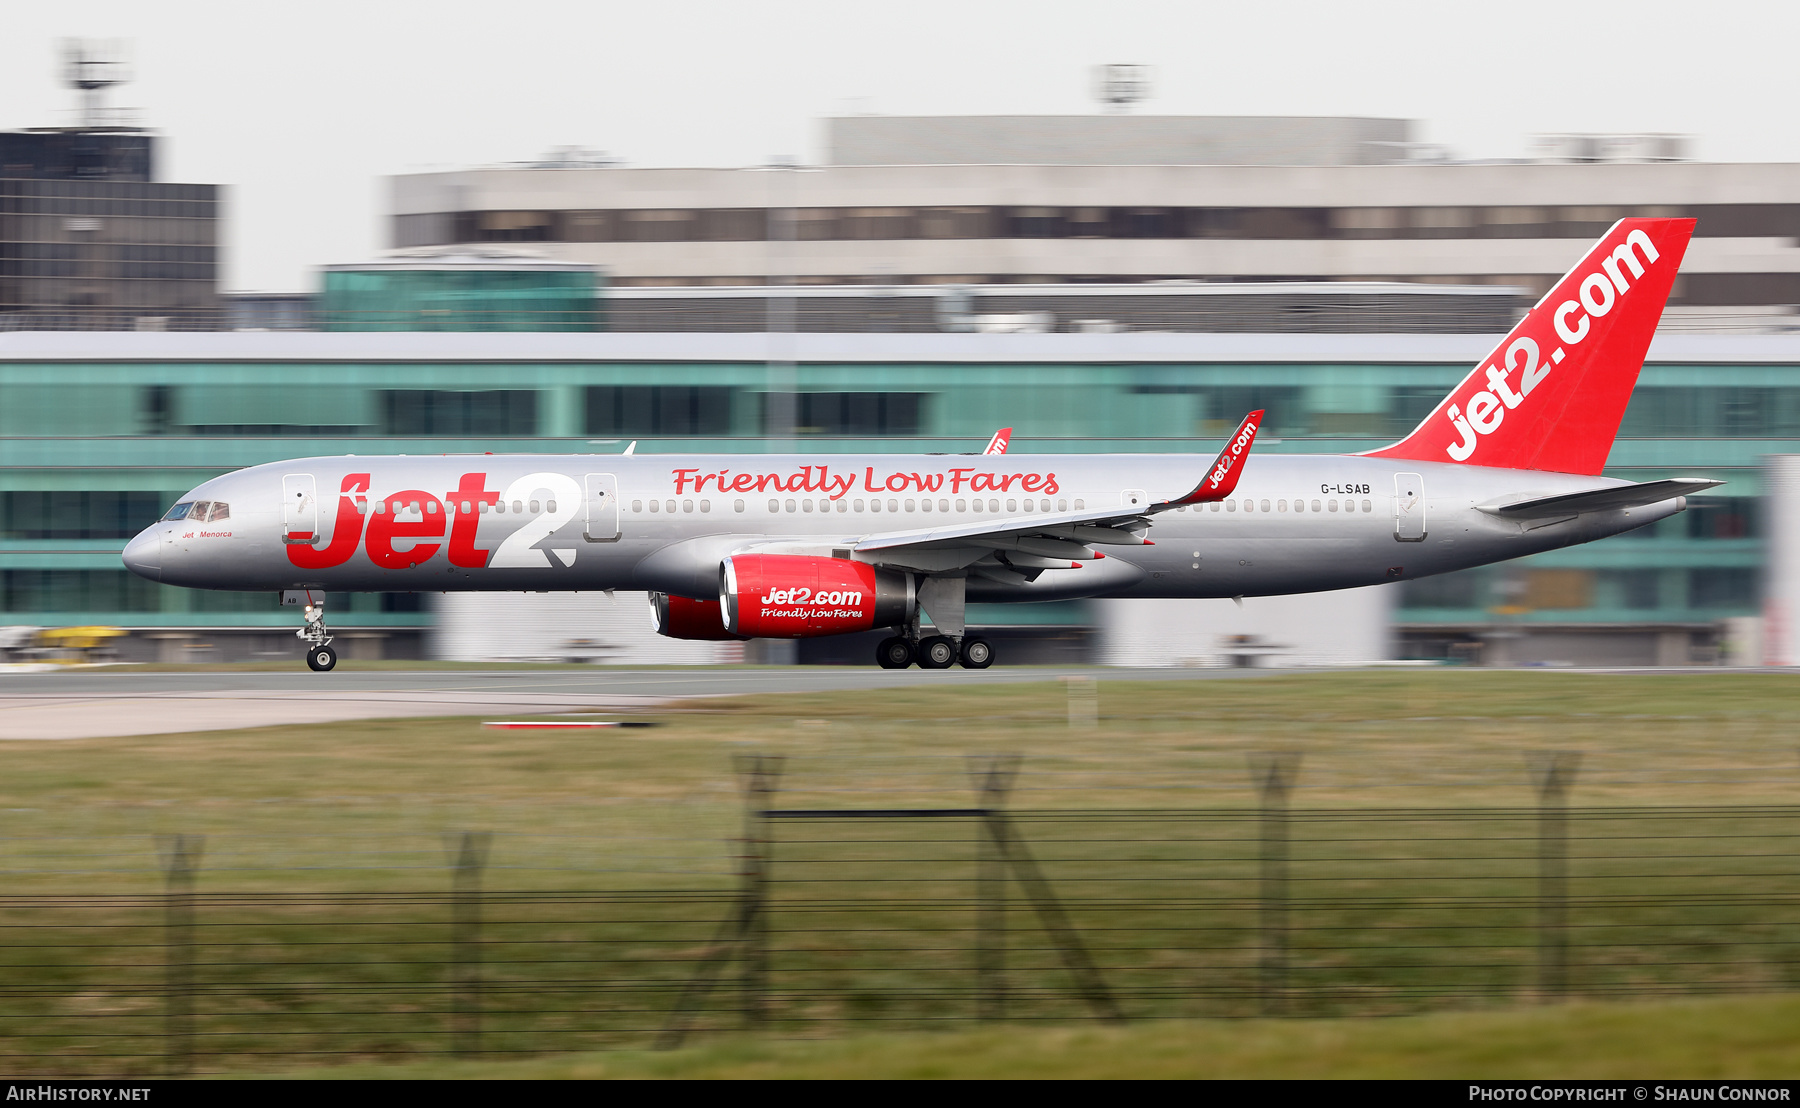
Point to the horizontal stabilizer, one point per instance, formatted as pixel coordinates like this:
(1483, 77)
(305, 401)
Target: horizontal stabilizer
(1608, 499)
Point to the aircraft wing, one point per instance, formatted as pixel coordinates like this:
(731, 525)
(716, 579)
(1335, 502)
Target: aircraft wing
(1119, 525)
(1601, 500)
(1068, 534)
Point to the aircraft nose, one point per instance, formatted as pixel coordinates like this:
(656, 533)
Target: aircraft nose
(143, 555)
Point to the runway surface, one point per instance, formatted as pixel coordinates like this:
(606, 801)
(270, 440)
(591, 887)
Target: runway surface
(85, 704)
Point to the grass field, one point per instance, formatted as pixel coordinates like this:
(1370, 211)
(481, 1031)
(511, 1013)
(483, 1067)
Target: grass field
(325, 924)
(1740, 1038)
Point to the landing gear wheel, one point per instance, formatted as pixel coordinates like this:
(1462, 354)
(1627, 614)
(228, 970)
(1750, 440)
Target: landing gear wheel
(937, 652)
(321, 659)
(894, 653)
(977, 654)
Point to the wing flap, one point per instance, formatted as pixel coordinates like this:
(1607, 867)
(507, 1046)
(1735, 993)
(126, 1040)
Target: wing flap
(1608, 499)
(1045, 524)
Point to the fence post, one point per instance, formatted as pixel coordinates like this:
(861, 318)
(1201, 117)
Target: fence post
(761, 773)
(468, 857)
(1084, 703)
(993, 778)
(1274, 774)
(1553, 772)
(180, 856)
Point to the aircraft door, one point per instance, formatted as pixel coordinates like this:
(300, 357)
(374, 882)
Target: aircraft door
(1409, 507)
(602, 508)
(299, 509)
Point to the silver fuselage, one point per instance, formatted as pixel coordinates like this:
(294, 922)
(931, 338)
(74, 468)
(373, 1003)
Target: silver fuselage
(586, 522)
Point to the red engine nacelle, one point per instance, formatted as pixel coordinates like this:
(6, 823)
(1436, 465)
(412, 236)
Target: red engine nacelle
(681, 618)
(791, 596)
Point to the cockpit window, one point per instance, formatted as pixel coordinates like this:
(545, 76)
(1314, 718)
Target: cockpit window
(220, 510)
(206, 511)
(181, 510)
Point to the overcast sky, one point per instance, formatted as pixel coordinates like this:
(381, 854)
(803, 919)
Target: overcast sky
(300, 109)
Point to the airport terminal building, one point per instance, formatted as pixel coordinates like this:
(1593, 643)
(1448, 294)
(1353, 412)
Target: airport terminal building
(100, 431)
(1103, 283)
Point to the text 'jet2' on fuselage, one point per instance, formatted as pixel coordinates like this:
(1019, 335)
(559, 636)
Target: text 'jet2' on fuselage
(741, 546)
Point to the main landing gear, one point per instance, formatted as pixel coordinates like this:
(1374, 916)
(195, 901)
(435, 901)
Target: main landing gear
(320, 657)
(934, 652)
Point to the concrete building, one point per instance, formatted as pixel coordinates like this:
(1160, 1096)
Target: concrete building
(960, 201)
(89, 238)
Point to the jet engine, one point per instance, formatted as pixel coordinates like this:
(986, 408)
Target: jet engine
(792, 596)
(677, 617)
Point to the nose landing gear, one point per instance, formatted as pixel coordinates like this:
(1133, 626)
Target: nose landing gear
(320, 657)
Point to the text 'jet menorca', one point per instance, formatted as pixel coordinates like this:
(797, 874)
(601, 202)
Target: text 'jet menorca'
(733, 546)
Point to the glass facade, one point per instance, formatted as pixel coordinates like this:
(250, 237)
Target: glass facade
(91, 450)
(452, 298)
(107, 254)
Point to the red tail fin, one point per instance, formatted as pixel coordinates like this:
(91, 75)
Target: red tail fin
(1552, 394)
(997, 444)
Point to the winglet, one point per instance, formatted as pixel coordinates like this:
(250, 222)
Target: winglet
(1222, 478)
(997, 444)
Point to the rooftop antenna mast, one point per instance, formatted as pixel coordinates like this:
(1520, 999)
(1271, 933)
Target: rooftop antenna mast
(93, 66)
(1118, 87)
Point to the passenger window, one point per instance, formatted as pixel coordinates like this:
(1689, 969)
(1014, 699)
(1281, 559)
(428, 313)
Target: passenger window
(911, 506)
(943, 505)
(362, 507)
(1012, 505)
(737, 505)
(686, 506)
(381, 507)
(962, 505)
(925, 505)
(1281, 505)
(1368, 507)
(1062, 505)
(656, 505)
(1215, 505)
(791, 506)
(1331, 505)
(705, 506)
(466, 508)
(859, 505)
(1231, 505)
(874, 505)
(1315, 505)
(977, 504)
(636, 505)
(774, 505)
(843, 506)
(431, 507)
(1081, 505)
(534, 507)
(550, 505)
(806, 505)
